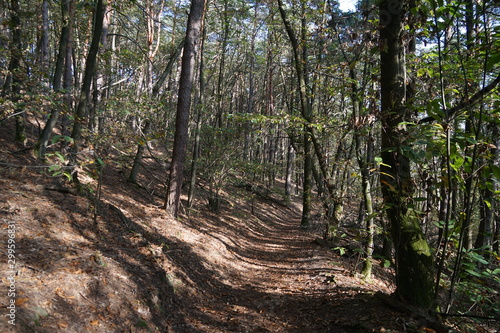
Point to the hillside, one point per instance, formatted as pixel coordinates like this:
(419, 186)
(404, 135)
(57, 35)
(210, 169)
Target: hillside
(130, 267)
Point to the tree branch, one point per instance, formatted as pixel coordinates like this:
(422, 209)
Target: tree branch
(471, 101)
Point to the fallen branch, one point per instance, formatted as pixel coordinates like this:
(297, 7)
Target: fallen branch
(61, 189)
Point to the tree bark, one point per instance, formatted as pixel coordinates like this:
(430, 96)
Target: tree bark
(197, 136)
(42, 47)
(12, 84)
(67, 12)
(306, 110)
(414, 263)
(143, 141)
(90, 66)
(488, 202)
(194, 27)
(290, 159)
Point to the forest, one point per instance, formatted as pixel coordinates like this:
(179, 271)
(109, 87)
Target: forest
(227, 162)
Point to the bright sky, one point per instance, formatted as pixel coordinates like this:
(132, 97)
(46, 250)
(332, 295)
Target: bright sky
(347, 5)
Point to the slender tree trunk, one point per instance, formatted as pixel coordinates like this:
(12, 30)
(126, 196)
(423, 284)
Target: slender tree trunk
(155, 91)
(306, 110)
(42, 47)
(143, 141)
(414, 263)
(289, 172)
(496, 187)
(222, 64)
(365, 162)
(88, 75)
(168, 69)
(307, 187)
(12, 84)
(470, 128)
(488, 203)
(67, 12)
(194, 26)
(197, 136)
(99, 76)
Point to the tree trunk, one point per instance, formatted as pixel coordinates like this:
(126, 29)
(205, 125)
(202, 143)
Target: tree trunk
(306, 110)
(290, 158)
(194, 26)
(222, 64)
(488, 203)
(42, 46)
(12, 84)
(496, 187)
(140, 150)
(88, 75)
(67, 12)
(414, 263)
(307, 188)
(197, 136)
(99, 76)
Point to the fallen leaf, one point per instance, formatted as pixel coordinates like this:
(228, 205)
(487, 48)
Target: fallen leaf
(21, 301)
(62, 325)
(94, 322)
(59, 292)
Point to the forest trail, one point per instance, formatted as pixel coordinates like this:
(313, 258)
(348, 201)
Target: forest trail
(272, 277)
(122, 264)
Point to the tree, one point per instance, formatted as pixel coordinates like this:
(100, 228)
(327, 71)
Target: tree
(191, 45)
(62, 73)
(299, 56)
(13, 82)
(414, 262)
(80, 113)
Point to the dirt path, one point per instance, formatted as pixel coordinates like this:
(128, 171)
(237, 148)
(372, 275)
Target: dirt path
(132, 268)
(261, 273)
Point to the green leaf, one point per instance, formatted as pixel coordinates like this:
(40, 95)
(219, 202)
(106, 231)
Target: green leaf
(66, 138)
(54, 168)
(69, 176)
(496, 171)
(473, 272)
(55, 138)
(487, 204)
(341, 250)
(458, 162)
(60, 156)
(494, 59)
(478, 258)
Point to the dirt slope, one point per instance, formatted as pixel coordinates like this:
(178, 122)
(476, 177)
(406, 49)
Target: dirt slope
(132, 268)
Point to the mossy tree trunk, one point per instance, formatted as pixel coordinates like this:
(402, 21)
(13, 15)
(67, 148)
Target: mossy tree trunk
(414, 262)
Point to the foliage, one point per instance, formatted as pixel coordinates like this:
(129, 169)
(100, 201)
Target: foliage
(249, 112)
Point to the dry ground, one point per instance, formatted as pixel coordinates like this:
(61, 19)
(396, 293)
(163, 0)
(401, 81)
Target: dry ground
(133, 268)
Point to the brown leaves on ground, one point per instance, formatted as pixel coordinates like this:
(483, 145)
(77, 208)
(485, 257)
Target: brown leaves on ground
(135, 269)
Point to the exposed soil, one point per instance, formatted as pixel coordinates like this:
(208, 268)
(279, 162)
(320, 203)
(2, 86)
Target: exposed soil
(133, 268)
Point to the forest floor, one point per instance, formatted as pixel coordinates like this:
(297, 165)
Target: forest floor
(120, 263)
